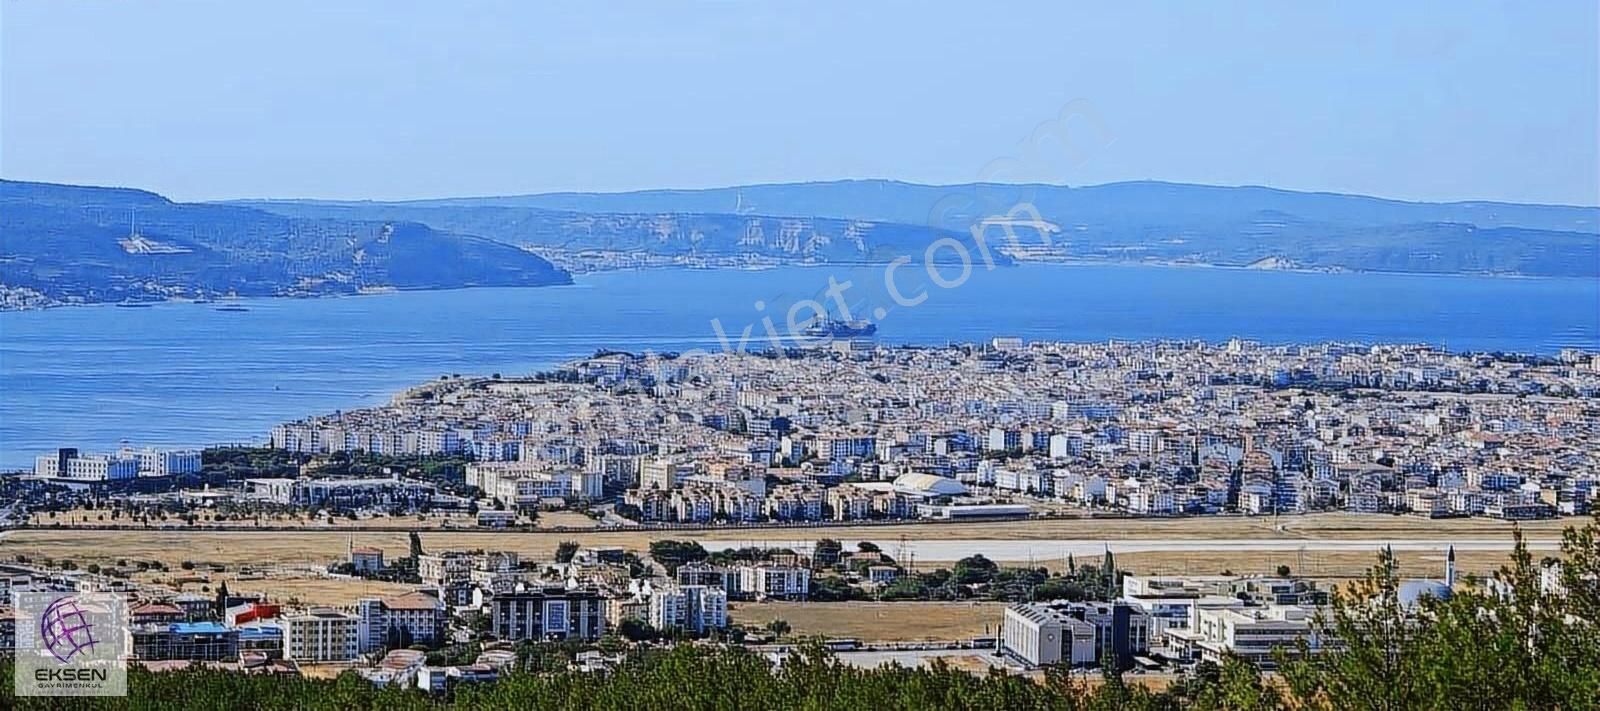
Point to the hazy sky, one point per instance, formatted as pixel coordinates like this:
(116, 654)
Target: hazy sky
(344, 99)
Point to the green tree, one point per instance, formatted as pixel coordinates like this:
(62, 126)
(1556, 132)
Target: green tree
(671, 554)
(975, 569)
(416, 545)
(1533, 648)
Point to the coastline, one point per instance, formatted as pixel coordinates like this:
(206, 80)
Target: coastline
(1018, 261)
(291, 357)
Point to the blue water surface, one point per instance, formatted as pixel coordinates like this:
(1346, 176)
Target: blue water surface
(189, 374)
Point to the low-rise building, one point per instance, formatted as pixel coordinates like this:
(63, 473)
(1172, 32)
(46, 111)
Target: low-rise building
(366, 560)
(1254, 634)
(193, 641)
(1048, 633)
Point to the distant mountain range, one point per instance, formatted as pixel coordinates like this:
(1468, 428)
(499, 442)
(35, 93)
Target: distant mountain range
(69, 244)
(1122, 222)
(62, 243)
(780, 239)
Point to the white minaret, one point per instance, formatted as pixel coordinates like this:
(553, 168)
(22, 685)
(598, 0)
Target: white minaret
(1450, 568)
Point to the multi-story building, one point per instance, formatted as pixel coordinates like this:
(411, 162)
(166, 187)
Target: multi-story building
(156, 462)
(68, 464)
(548, 614)
(528, 490)
(664, 473)
(412, 618)
(697, 609)
(320, 635)
(794, 502)
(708, 575)
(850, 503)
(8, 628)
(445, 569)
(782, 582)
(343, 494)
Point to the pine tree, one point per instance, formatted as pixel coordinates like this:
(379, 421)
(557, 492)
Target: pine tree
(1108, 570)
(222, 599)
(416, 546)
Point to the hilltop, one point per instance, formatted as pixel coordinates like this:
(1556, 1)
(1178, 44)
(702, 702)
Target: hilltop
(1120, 222)
(76, 244)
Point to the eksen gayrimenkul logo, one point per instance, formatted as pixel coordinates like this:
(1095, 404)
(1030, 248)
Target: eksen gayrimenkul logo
(72, 644)
(66, 630)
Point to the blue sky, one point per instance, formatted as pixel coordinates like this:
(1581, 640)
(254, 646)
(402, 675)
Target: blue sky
(1448, 100)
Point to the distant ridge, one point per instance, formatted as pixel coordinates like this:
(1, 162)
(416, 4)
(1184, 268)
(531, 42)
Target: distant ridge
(809, 199)
(78, 244)
(1142, 221)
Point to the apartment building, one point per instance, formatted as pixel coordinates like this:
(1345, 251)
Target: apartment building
(69, 464)
(320, 635)
(697, 609)
(548, 614)
(412, 618)
(156, 462)
(775, 582)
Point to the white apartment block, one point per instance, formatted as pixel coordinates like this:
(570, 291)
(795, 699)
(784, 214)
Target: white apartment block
(775, 581)
(664, 473)
(528, 490)
(320, 635)
(127, 463)
(445, 569)
(696, 608)
(155, 462)
(89, 467)
(420, 616)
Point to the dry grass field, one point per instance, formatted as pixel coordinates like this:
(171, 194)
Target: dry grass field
(305, 589)
(1327, 565)
(876, 621)
(316, 548)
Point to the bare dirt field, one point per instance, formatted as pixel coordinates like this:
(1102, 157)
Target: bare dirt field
(876, 621)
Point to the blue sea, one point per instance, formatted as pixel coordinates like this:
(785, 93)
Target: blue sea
(189, 374)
